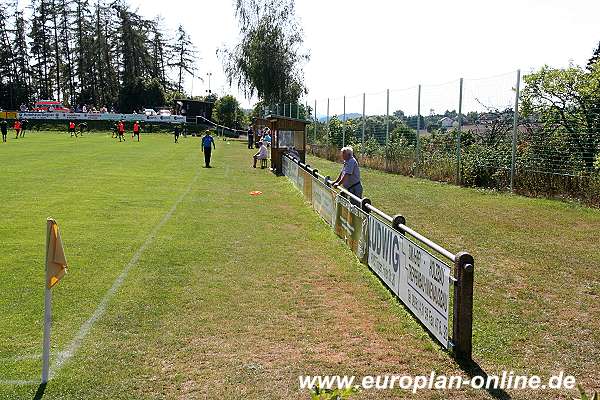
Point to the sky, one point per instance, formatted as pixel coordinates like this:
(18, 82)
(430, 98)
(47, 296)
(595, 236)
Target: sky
(369, 46)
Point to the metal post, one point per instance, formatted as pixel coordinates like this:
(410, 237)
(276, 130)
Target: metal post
(458, 133)
(364, 121)
(290, 110)
(327, 119)
(277, 109)
(297, 110)
(344, 125)
(418, 139)
(315, 119)
(515, 128)
(387, 126)
(462, 332)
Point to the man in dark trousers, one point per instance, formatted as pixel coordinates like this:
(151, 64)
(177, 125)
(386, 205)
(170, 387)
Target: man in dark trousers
(83, 127)
(208, 144)
(176, 132)
(23, 127)
(136, 130)
(4, 129)
(250, 138)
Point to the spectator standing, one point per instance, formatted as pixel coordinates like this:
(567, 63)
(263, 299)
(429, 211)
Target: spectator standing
(349, 177)
(258, 137)
(250, 138)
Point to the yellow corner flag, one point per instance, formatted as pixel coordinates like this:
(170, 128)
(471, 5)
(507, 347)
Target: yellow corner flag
(56, 262)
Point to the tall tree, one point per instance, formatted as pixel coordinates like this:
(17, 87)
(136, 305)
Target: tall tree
(594, 59)
(102, 55)
(184, 56)
(566, 101)
(227, 112)
(268, 60)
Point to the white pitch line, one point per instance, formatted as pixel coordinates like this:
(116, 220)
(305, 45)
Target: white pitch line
(75, 344)
(18, 382)
(20, 358)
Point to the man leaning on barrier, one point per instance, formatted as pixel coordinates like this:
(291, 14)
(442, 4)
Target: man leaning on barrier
(349, 177)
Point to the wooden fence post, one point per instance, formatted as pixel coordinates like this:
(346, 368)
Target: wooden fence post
(463, 306)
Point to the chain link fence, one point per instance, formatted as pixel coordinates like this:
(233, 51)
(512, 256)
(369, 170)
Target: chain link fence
(467, 131)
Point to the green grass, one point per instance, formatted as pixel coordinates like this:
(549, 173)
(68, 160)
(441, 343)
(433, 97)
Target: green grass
(237, 295)
(537, 269)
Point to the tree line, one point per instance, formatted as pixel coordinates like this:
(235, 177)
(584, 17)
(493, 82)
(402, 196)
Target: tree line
(102, 54)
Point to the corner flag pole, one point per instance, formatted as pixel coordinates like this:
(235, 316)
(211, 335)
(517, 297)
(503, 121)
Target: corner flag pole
(47, 309)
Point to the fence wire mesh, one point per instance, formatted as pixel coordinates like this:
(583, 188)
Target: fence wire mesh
(464, 131)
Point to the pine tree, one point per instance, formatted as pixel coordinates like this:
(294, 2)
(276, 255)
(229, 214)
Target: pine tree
(105, 55)
(595, 57)
(184, 56)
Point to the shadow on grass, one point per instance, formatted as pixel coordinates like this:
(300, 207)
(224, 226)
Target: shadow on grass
(40, 391)
(472, 369)
(469, 367)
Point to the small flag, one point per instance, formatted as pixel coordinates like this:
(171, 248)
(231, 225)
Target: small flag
(56, 261)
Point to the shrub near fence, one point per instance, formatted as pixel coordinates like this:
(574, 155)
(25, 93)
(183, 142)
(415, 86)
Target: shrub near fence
(503, 132)
(481, 165)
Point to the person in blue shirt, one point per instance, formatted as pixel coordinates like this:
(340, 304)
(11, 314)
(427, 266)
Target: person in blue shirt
(267, 139)
(176, 132)
(208, 144)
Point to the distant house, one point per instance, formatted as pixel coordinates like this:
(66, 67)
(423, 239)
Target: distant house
(446, 122)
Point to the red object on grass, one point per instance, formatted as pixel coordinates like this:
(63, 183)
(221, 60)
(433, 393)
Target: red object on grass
(255, 193)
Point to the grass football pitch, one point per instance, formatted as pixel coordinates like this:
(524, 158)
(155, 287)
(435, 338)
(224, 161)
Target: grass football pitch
(183, 285)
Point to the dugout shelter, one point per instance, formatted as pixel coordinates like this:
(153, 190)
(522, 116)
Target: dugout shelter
(286, 134)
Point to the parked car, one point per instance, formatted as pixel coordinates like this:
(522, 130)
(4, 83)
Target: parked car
(149, 112)
(164, 112)
(50, 106)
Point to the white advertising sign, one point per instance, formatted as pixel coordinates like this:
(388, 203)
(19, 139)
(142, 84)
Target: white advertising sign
(425, 289)
(323, 201)
(102, 117)
(418, 278)
(299, 178)
(385, 253)
(294, 176)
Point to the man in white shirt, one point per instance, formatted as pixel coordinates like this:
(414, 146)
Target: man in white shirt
(262, 153)
(349, 177)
